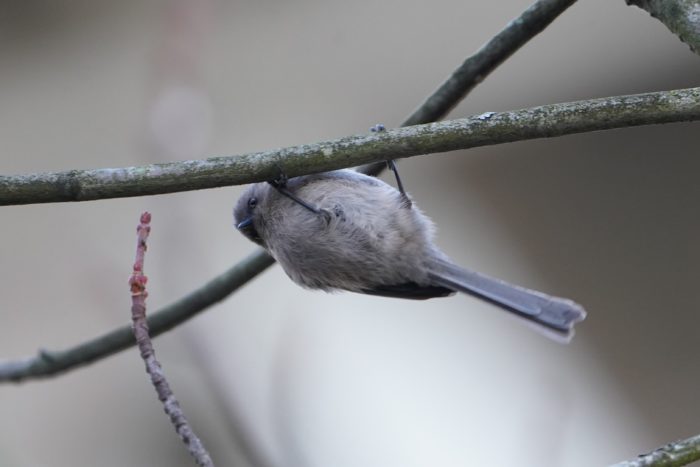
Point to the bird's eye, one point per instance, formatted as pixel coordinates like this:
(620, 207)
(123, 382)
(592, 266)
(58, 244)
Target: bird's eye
(252, 202)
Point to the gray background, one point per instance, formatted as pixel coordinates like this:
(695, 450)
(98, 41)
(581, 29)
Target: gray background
(310, 379)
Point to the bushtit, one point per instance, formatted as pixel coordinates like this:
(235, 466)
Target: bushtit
(345, 230)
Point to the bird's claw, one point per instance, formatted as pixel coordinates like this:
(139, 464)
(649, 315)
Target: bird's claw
(280, 181)
(326, 215)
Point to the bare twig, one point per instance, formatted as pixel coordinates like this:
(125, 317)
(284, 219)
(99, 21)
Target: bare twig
(137, 283)
(476, 68)
(482, 130)
(681, 17)
(673, 454)
(517, 33)
(49, 363)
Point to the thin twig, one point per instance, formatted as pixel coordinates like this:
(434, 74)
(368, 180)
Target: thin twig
(476, 68)
(681, 17)
(673, 454)
(137, 283)
(49, 363)
(517, 33)
(482, 130)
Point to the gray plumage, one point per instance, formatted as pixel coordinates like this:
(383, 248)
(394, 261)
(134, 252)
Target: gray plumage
(368, 239)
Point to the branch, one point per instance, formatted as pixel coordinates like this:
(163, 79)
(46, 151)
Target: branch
(477, 67)
(671, 455)
(681, 17)
(486, 129)
(135, 181)
(137, 284)
(49, 363)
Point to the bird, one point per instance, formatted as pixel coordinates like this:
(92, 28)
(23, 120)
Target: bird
(343, 230)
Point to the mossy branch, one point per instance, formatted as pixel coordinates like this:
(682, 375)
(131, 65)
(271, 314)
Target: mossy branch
(482, 130)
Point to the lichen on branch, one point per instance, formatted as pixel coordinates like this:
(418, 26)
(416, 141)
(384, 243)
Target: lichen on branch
(481, 130)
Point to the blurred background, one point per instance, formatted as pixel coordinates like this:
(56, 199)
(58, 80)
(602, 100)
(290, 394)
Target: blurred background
(280, 376)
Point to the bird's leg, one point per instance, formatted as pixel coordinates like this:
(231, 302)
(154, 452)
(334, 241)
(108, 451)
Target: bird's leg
(391, 165)
(280, 184)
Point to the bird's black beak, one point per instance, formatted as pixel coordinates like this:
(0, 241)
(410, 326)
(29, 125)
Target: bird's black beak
(245, 224)
(247, 228)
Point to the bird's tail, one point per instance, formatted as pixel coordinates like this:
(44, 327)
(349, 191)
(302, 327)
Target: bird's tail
(549, 313)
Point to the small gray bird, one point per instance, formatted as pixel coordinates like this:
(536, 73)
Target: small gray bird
(343, 230)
